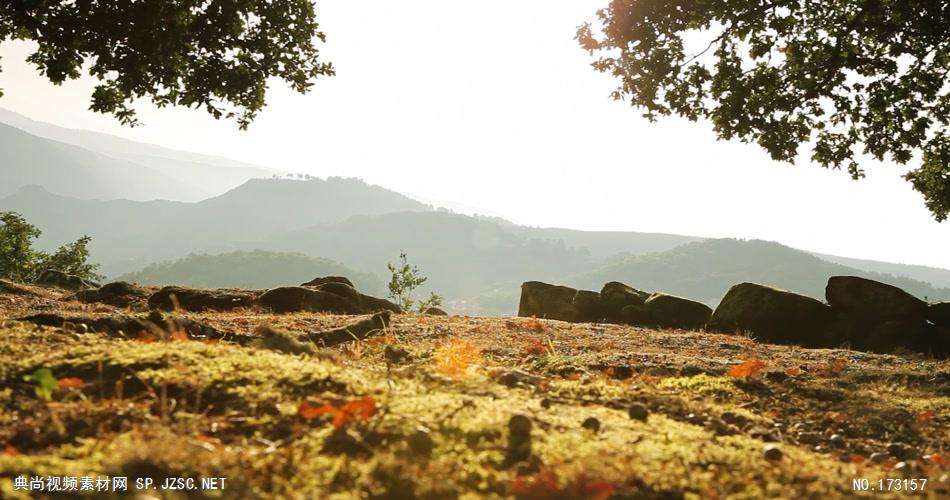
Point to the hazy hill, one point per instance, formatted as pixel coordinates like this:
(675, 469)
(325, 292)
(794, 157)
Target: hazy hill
(705, 270)
(68, 170)
(200, 176)
(254, 269)
(128, 235)
(933, 275)
(466, 259)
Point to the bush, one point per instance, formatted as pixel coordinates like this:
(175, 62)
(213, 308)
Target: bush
(405, 279)
(21, 263)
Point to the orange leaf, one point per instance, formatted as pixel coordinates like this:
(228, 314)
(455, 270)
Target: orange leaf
(938, 459)
(456, 357)
(857, 459)
(145, 337)
(925, 416)
(534, 345)
(178, 335)
(746, 369)
(10, 451)
(365, 407)
(793, 372)
(308, 411)
(71, 383)
(839, 364)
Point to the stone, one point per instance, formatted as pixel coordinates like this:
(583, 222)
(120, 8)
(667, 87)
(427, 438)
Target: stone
(670, 311)
(372, 304)
(886, 336)
(588, 307)
(773, 315)
(119, 294)
(872, 300)
(198, 299)
(317, 282)
(616, 295)
(939, 314)
(435, 311)
(421, 443)
(772, 453)
(296, 299)
(638, 411)
(635, 314)
(58, 279)
(543, 300)
(591, 424)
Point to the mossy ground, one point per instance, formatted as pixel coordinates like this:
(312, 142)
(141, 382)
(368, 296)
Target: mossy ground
(186, 407)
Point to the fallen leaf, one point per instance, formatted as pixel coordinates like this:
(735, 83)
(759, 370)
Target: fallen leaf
(70, 383)
(746, 369)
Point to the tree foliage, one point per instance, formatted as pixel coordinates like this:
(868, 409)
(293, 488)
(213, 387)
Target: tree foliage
(215, 55)
(20, 262)
(845, 76)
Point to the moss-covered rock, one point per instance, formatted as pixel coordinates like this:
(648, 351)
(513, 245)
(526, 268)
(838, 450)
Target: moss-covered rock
(670, 311)
(773, 315)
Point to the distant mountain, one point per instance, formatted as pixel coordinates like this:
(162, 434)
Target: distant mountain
(254, 269)
(705, 270)
(195, 176)
(128, 235)
(26, 159)
(933, 275)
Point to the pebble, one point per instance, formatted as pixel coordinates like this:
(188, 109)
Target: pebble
(837, 440)
(421, 443)
(592, 424)
(638, 411)
(773, 453)
(519, 425)
(878, 458)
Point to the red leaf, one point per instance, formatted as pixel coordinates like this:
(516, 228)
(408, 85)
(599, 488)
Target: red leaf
(71, 383)
(793, 372)
(746, 369)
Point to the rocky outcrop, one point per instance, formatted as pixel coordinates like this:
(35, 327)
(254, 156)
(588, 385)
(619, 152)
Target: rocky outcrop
(198, 299)
(872, 300)
(435, 311)
(615, 296)
(772, 315)
(58, 279)
(939, 314)
(543, 300)
(588, 307)
(333, 297)
(670, 311)
(119, 294)
(318, 282)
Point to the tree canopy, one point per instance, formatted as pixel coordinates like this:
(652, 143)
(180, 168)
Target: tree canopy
(20, 262)
(211, 54)
(847, 77)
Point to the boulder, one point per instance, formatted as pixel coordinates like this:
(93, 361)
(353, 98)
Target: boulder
(119, 294)
(341, 289)
(317, 282)
(59, 279)
(670, 311)
(197, 299)
(615, 296)
(939, 314)
(635, 314)
(296, 298)
(435, 311)
(372, 304)
(872, 300)
(887, 336)
(543, 300)
(773, 315)
(588, 307)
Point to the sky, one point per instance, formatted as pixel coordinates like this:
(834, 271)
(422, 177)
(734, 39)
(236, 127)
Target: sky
(493, 105)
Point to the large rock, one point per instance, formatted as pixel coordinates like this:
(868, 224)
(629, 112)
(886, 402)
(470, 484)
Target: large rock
(296, 298)
(872, 300)
(588, 307)
(543, 300)
(119, 294)
(59, 279)
(372, 304)
(939, 314)
(615, 296)
(773, 315)
(887, 336)
(196, 299)
(670, 311)
(318, 282)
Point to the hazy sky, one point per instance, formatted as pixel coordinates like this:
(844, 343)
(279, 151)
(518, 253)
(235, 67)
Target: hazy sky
(492, 104)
